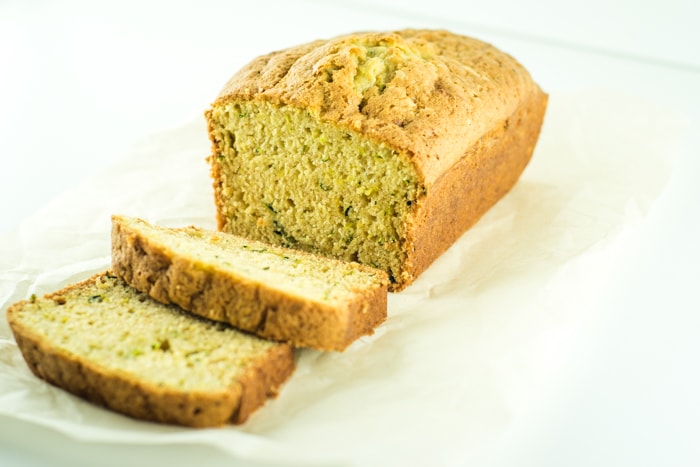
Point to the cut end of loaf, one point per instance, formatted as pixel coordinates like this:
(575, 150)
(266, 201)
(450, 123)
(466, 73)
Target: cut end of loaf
(284, 177)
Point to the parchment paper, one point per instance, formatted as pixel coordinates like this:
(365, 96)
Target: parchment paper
(464, 349)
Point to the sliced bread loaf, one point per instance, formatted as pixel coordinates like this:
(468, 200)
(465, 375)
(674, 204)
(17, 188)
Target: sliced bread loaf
(377, 147)
(107, 343)
(274, 292)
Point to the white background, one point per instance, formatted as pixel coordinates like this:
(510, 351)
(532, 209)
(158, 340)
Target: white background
(82, 82)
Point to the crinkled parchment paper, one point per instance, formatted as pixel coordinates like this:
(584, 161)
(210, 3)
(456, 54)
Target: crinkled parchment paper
(464, 349)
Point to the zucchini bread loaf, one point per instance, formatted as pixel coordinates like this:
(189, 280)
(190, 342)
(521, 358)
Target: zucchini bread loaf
(274, 292)
(107, 343)
(381, 148)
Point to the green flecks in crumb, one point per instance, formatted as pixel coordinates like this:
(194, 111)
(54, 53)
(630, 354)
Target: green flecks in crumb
(134, 353)
(258, 250)
(242, 114)
(266, 268)
(221, 157)
(32, 298)
(347, 210)
(162, 345)
(324, 187)
(256, 150)
(279, 230)
(95, 299)
(270, 207)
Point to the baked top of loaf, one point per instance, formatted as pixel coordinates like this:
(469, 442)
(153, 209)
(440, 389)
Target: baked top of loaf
(106, 342)
(289, 295)
(430, 94)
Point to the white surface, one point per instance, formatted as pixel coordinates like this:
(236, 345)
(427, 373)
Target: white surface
(81, 84)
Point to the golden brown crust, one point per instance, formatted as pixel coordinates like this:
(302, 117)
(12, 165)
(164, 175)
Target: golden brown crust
(121, 392)
(463, 194)
(251, 306)
(263, 381)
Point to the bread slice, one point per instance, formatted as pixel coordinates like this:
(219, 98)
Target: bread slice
(377, 147)
(274, 292)
(105, 342)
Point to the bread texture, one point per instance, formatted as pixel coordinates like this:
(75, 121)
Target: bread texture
(109, 344)
(278, 293)
(381, 148)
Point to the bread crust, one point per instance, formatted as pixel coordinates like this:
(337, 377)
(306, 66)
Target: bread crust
(123, 393)
(465, 193)
(255, 307)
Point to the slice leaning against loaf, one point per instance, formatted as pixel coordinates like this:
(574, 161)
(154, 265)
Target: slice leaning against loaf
(287, 295)
(112, 345)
